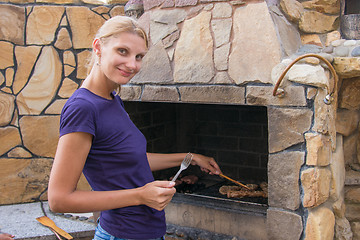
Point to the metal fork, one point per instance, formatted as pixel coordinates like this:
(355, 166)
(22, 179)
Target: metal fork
(185, 163)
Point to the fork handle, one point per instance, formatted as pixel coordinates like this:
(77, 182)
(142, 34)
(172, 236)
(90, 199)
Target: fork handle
(176, 176)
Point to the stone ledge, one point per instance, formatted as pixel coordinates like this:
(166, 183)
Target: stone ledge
(352, 178)
(20, 220)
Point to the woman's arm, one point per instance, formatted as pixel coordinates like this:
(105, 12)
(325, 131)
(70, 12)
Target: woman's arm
(69, 161)
(159, 161)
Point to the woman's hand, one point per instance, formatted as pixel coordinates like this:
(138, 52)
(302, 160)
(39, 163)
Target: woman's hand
(206, 164)
(157, 194)
(6, 236)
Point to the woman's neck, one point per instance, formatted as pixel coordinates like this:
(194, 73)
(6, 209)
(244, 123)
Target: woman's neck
(98, 85)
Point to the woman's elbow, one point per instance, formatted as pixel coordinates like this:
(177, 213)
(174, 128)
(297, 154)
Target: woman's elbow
(55, 202)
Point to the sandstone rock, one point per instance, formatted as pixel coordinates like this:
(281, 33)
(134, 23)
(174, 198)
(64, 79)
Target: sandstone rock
(323, 6)
(222, 10)
(221, 56)
(339, 207)
(82, 58)
(311, 39)
(9, 76)
(262, 95)
(325, 116)
(349, 97)
(350, 145)
(10, 137)
(170, 39)
(212, 94)
(163, 94)
(23, 179)
(40, 141)
(130, 93)
(287, 127)
(292, 9)
(56, 107)
(7, 107)
(320, 224)
(282, 224)
(318, 148)
(149, 4)
(6, 54)
(194, 63)
(69, 58)
(288, 33)
(265, 49)
(63, 40)
(337, 168)
(346, 121)
(43, 84)
(353, 212)
(2, 78)
(84, 24)
(42, 23)
(283, 179)
(101, 9)
(316, 185)
(156, 58)
(355, 227)
(67, 88)
(347, 67)
(117, 10)
(222, 78)
(12, 21)
(163, 23)
(343, 229)
(25, 58)
(352, 195)
(68, 70)
(315, 22)
(311, 93)
(308, 75)
(19, 152)
(221, 29)
(332, 36)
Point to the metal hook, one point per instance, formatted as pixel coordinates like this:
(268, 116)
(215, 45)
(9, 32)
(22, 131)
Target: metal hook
(329, 97)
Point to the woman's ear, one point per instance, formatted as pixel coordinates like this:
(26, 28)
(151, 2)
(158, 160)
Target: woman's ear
(97, 46)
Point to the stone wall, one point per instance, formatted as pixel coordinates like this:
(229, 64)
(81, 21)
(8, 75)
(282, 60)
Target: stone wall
(229, 52)
(43, 51)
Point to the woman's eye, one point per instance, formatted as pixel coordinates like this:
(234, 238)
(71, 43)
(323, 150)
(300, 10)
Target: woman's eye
(139, 57)
(122, 51)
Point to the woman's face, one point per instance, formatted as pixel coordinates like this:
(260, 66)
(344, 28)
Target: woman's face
(120, 56)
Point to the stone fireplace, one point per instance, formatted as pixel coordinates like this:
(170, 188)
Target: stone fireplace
(211, 60)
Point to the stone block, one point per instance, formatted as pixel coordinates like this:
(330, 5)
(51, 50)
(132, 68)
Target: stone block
(158, 93)
(287, 127)
(262, 95)
(346, 121)
(318, 147)
(316, 186)
(352, 212)
(265, 48)
(283, 179)
(283, 225)
(23, 179)
(40, 141)
(320, 224)
(212, 94)
(347, 67)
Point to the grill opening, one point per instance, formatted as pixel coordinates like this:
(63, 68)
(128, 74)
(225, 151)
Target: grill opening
(235, 135)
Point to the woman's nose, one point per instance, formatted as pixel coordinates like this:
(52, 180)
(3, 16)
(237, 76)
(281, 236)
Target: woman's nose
(132, 64)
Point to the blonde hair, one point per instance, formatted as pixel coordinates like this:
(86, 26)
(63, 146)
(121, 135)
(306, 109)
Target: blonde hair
(114, 26)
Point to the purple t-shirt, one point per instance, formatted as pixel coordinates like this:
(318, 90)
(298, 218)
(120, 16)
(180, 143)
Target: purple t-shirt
(117, 160)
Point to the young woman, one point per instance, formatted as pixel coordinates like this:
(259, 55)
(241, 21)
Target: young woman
(98, 138)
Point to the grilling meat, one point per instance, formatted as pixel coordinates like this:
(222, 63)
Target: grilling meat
(240, 192)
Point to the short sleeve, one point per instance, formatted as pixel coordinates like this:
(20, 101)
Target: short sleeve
(77, 116)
